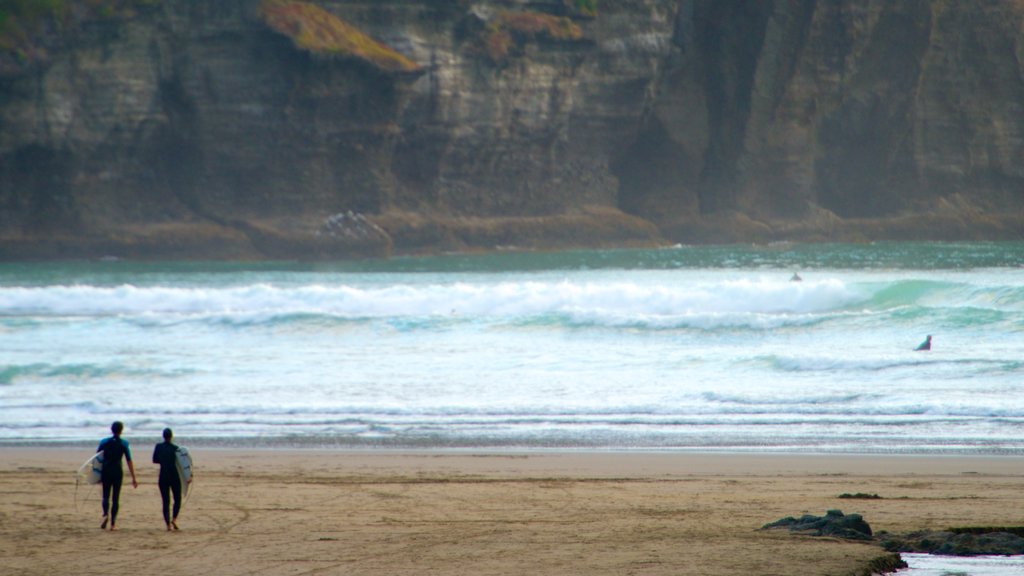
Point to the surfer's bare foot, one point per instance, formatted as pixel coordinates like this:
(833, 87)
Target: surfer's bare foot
(175, 524)
(168, 527)
(113, 528)
(103, 525)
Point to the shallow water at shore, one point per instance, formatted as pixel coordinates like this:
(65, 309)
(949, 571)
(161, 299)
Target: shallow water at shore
(932, 565)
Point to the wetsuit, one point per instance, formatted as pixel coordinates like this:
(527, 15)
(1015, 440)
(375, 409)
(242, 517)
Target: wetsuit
(113, 449)
(165, 454)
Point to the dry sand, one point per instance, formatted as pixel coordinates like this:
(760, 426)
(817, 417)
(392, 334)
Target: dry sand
(446, 513)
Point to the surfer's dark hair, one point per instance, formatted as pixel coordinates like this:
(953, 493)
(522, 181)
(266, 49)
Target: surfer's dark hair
(168, 434)
(117, 427)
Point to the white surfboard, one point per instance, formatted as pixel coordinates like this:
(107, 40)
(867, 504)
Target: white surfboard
(92, 471)
(183, 460)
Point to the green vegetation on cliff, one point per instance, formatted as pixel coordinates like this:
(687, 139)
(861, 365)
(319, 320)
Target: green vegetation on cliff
(317, 31)
(588, 7)
(511, 30)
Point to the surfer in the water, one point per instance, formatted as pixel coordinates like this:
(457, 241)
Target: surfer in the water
(114, 448)
(926, 345)
(166, 455)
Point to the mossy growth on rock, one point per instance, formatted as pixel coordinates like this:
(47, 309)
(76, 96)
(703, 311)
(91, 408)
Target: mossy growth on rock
(585, 7)
(510, 31)
(319, 32)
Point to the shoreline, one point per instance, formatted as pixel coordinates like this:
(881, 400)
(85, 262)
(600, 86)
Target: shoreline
(281, 444)
(709, 461)
(274, 510)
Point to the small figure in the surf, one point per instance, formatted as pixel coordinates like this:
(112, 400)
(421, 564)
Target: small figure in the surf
(165, 454)
(796, 278)
(114, 449)
(926, 345)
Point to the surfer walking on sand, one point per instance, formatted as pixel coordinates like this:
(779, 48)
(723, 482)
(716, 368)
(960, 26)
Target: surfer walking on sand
(114, 448)
(166, 455)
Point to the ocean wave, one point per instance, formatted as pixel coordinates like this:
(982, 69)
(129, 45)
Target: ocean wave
(756, 303)
(846, 365)
(936, 294)
(789, 427)
(687, 347)
(792, 420)
(78, 372)
(506, 299)
(715, 409)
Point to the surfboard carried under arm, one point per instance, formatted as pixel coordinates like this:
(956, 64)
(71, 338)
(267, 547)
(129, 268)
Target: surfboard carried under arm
(183, 461)
(92, 471)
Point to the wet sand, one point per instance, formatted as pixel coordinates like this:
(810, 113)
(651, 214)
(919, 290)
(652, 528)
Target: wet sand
(383, 513)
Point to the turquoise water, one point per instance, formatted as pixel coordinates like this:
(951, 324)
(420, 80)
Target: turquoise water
(688, 348)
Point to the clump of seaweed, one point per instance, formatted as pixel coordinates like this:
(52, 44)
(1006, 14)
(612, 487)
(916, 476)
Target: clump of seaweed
(317, 31)
(860, 496)
(510, 31)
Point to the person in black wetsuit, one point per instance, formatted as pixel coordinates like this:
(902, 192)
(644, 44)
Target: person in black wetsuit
(114, 448)
(926, 345)
(165, 454)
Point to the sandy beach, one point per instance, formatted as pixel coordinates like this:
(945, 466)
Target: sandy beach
(447, 513)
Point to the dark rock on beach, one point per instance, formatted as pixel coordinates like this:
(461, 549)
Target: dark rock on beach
(834, 523)
(995, 541)
(1006, 541)
(883, 565)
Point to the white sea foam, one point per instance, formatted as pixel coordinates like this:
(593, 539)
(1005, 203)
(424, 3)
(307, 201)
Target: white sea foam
(618, 299)
(700, 358)
(937, 565)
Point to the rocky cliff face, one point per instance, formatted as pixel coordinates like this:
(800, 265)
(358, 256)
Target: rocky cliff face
(185, 129)
(849, 119)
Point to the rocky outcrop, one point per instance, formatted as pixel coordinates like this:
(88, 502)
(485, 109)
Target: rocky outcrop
(972, 541)
(834, 523)
(239, 128)
(959, 542)
(887, 564)
(975, 541)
